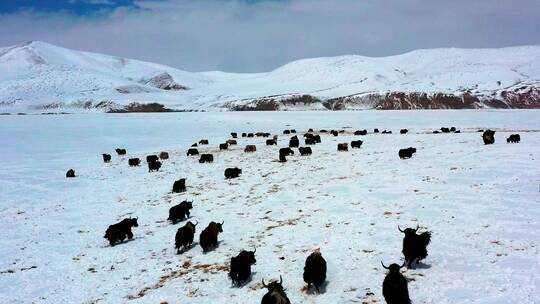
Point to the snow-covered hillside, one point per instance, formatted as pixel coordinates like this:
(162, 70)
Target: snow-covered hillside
(37, 76)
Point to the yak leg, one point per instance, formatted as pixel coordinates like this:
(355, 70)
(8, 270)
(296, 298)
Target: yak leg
(129, 234)
(409, 263)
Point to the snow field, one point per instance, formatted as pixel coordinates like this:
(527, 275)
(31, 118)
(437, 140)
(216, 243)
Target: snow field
(480, 202)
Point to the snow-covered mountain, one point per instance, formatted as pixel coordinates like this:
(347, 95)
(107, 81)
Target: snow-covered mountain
(37, 76)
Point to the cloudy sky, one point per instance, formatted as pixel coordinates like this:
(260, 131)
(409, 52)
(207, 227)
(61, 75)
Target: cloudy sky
(255, 35)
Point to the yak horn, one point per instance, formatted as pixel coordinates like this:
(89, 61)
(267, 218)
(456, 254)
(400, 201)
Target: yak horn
(383, 265)
(254, 249)
(196, 224)
(399, 228)
(264, 285)
(222, 222)
(417, 226)
(280, 280)
(404, 262)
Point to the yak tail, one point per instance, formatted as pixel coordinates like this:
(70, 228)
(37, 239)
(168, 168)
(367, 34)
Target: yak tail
(425, 238)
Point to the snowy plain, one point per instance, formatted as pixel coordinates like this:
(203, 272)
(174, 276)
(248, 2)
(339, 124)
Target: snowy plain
(481, 203)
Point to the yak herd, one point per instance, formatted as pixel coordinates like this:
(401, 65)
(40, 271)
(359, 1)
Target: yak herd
(394, 287)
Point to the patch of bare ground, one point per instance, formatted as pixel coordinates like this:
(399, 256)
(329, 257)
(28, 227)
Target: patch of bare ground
(289, 222)
(187, 268)
(162, 281)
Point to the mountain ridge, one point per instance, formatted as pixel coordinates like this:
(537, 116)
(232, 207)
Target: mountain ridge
(42, 76)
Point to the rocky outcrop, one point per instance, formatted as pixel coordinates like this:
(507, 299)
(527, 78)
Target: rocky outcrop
(166, 82)
(519, 98)
(277, 103)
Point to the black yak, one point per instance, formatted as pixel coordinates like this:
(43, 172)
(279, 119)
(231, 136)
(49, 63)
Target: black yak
(70, 173)
(415, 245)
(154, 166)
(276, 293)
(180, 212)
(119, 231)
(223, 146)
(192, 151)
(206, 158)
(403, 131)
(310, 141)
(106, 158)
(453, 129)
(294, 142)
(305, 151)
(234, 135)
(445, 130)
(293, 130)
(152, 158)
(386, 132)
(163, 155)
(317, 138)
(208, 238)
(343, 147)
(395, 289)
(203, 142)
(195, 145)
(120, 151)
(271, 142)
(244, 134)
(406, 153)
(436, 132)
(489, 137)
(282, 158)
(231, 142)
(334, 132)
(179, 186)
(240, 268)
(286, 151)
(184, 236)
(323, 131)
(315, 270)
(514, 138)
(250, 135)
(375, 130)
(360, 132)
(134, 162)
(310, 130)
(356, 144)
(232, 172)
(262, 134)
(251, 148)
(286, 131)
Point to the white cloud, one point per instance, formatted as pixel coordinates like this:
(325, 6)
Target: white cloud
(241, 36)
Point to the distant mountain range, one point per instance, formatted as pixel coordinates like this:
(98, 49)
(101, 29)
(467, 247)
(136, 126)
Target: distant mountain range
(40, 77)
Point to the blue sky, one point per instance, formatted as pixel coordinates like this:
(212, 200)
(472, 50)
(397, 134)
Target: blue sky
(260, 35)
(73, 6)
